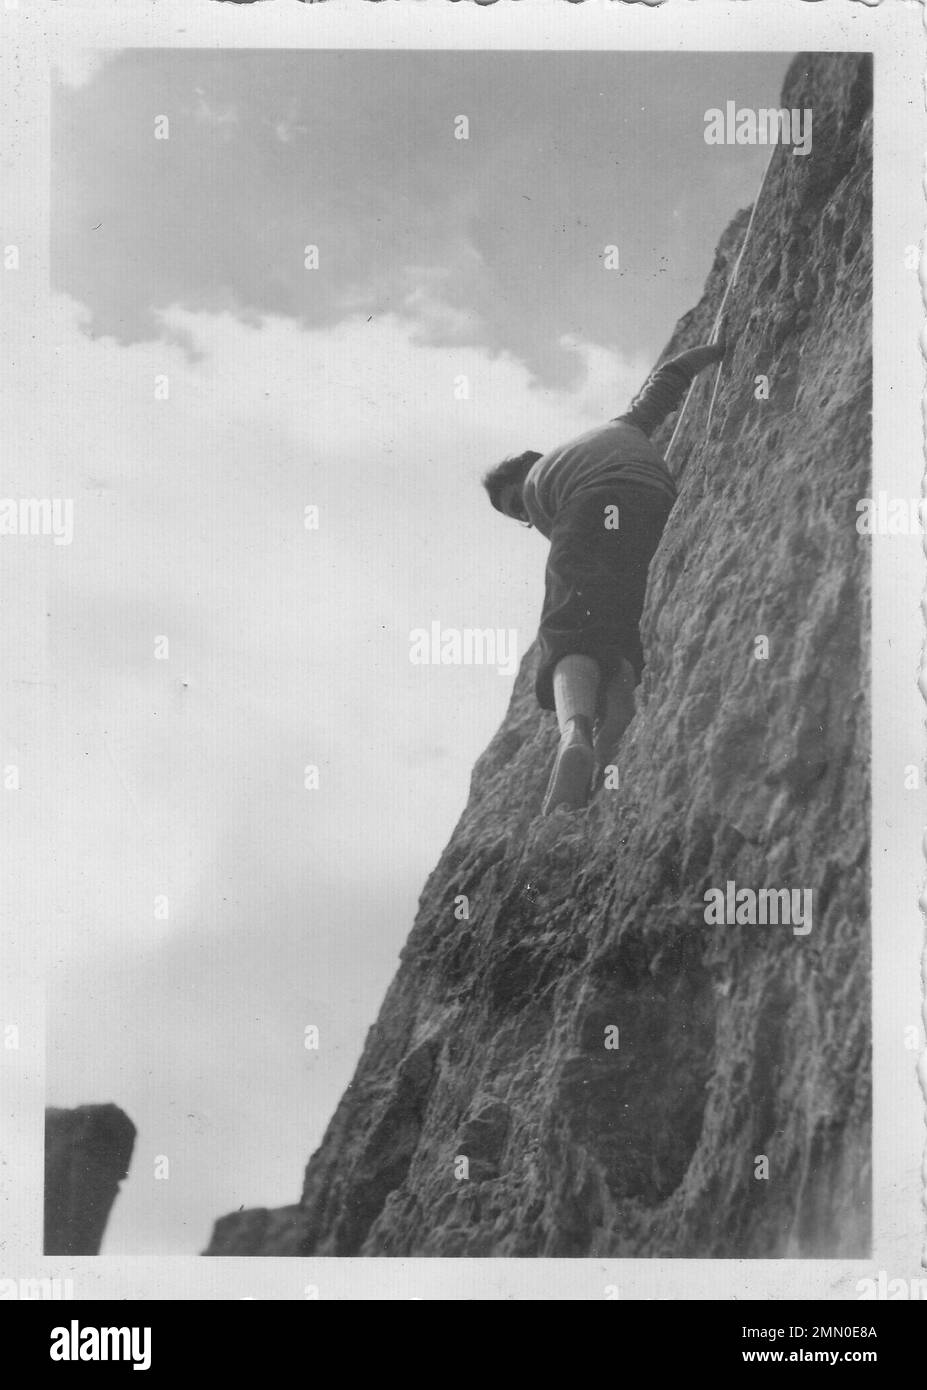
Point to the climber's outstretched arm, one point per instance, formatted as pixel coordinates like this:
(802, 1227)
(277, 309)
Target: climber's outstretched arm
(664, 389)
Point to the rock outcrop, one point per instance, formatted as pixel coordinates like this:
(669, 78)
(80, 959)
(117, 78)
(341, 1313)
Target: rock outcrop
(732, 1119)
(87, 1154)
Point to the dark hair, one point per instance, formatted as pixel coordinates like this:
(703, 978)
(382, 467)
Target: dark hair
(513, 469)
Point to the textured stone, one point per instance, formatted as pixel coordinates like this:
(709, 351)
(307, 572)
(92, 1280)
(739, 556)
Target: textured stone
(735, 1041)
(87, 1154)
(258, 1229)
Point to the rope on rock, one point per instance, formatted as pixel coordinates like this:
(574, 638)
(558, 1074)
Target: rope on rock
(732, 281)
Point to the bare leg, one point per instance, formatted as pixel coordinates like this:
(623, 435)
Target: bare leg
(576, 692)
(619, 711)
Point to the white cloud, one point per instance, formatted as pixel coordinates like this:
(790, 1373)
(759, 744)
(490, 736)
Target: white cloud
(189, 517)
(75, 67)
(213, 115)
(287, 130)
(185, 777)
(435, 316)
(609, 382)
(286, 647)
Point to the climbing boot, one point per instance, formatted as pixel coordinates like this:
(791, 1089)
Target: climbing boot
(571, 779)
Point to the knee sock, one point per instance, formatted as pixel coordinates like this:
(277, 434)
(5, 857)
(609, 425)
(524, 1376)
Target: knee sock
(576, 690)
(618, 710)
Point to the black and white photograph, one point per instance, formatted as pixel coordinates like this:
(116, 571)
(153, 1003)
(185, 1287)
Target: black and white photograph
(462, 539)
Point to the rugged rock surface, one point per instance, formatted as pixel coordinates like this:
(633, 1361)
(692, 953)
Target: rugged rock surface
(735, 1042)
(87, 1153)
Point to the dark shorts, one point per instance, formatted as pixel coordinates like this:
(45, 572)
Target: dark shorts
(596, 580)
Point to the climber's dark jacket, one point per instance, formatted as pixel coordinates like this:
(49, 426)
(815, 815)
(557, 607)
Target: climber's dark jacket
(597, 573)
(618, 451)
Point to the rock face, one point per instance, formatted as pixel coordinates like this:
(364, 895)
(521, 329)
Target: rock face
(87, 1153)
(733, 1117)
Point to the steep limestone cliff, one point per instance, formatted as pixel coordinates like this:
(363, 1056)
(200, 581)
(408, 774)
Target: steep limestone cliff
(735, 1041)
(87, 1154)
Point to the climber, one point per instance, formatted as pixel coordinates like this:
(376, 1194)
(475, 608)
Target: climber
(602, 499)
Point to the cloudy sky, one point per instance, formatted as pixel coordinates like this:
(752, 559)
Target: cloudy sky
(178, 268)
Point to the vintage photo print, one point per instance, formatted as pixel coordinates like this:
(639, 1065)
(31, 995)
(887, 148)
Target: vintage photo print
(462, 542)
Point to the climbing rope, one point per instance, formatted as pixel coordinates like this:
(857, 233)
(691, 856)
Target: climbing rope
(732, 281)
